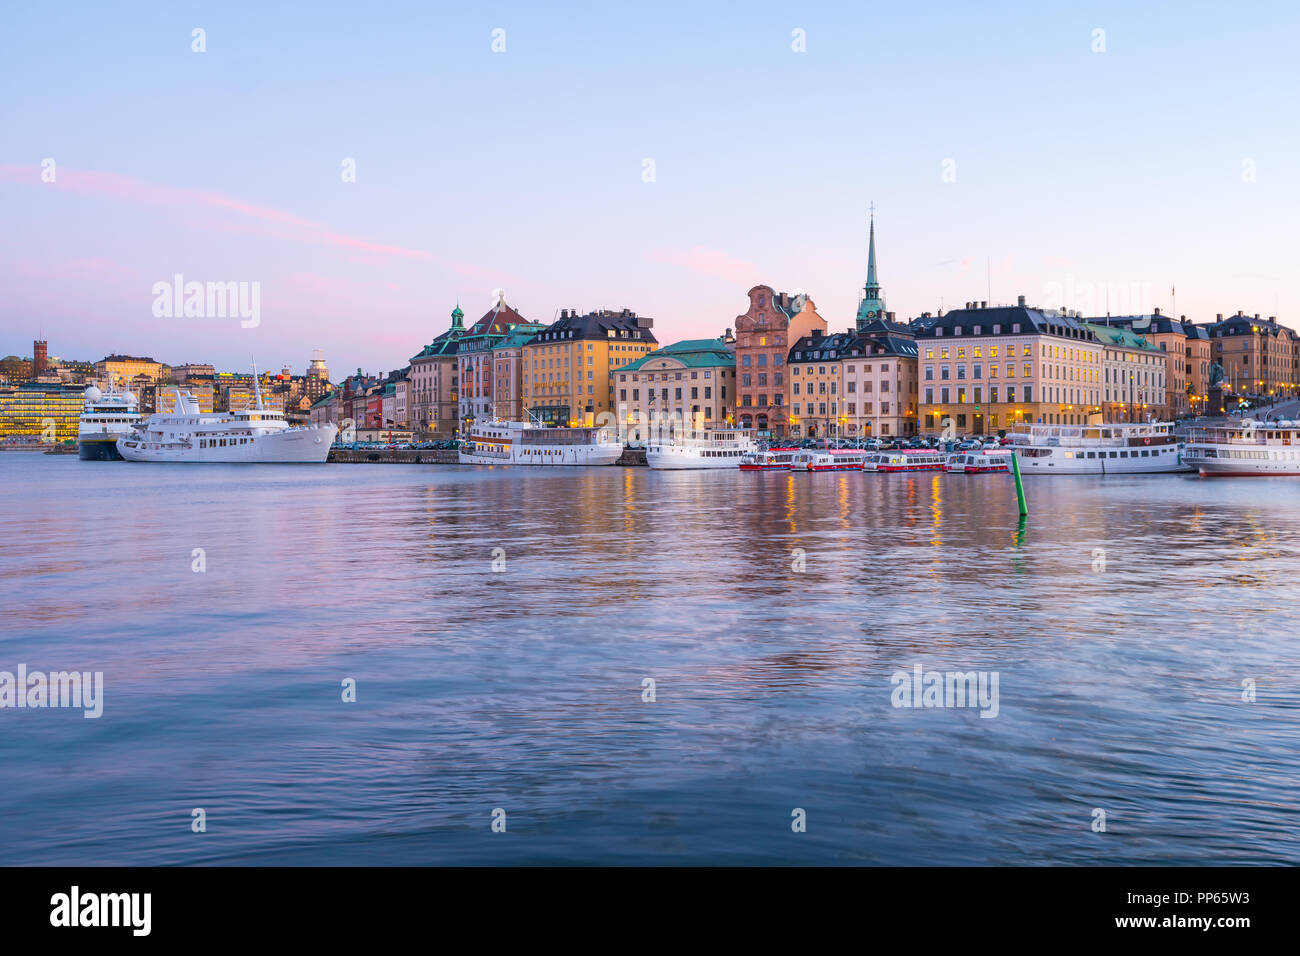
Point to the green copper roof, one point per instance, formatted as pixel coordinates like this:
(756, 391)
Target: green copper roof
(1122, 337)
(692, 353)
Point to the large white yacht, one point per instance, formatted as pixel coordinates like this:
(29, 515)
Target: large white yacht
(105, 417)
(251, 435)
(497, 442)
(1114, 449)
(1248, 448)
(707, 448)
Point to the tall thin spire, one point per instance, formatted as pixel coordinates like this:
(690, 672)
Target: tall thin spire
(872, 306)
(873, 286)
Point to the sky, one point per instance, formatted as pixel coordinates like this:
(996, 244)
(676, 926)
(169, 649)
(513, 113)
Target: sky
(364, 167)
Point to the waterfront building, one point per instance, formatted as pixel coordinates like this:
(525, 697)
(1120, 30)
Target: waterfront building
(508, 371)
(1133, 376)
(987, 368)
(1186, 374)
(566, 374)
(475, 362)
(879, 379)
(687, 386)
(434, 403)
(764, 333)
(41, 411)
(1260, 358)
(816, 384)
(325, 410)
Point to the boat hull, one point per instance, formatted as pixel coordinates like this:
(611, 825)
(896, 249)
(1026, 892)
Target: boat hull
(98, 449)
(555, 456)
(310, 445)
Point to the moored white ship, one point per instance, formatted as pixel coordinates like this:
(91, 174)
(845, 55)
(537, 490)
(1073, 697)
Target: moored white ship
(708, 448)
(498, 442)
(105, 417)
(1114, 449)
(253, 435)
(1245, 449)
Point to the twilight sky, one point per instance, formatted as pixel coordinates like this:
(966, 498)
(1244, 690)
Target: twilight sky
(999, 148)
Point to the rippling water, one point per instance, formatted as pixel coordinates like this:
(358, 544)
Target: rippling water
(1120, 688)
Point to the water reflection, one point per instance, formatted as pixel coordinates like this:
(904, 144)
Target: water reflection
(521, 684)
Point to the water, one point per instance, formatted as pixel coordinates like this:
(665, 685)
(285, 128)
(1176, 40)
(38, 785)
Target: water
(1120, 688)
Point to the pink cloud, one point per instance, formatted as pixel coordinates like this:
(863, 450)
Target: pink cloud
(710, 262)
(95, 268)
(283, 225)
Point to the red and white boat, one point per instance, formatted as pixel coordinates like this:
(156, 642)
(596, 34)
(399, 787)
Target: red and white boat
(978, 462)
(905, 459)
(827, 459)
(773, 459)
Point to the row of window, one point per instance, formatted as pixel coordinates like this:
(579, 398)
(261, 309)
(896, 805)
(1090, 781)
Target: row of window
(677, 393)
(851, 408)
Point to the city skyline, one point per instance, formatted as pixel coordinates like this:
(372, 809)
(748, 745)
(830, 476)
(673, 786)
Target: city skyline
(996, 170)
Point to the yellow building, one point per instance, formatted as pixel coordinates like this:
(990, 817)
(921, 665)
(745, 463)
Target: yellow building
(123, 369)
(567, 366)
(40, 412)
(164, 397)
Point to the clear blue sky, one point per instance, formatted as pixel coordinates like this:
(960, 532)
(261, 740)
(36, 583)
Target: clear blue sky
(1074, 170)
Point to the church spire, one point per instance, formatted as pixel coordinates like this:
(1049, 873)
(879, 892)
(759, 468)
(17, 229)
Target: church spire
(873, 286)
(872, 306)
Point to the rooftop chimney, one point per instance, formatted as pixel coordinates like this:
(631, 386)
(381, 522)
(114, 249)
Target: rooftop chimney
(1157, 311)
(1020, 301)
(984, 305)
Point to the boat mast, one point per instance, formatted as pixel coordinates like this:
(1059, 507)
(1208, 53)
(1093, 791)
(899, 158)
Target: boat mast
(257, 388)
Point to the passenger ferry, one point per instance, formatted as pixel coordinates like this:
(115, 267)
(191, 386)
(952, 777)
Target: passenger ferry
(1245, 449)
(252, 435)
(772, 459)
(707, 449)
(497, 442)
(827, 459)
(1115, 449)
(905, 459)
(105, 417)
(978, 462)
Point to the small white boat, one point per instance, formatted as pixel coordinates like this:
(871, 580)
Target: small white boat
(905, 459)
(978, 462)
(1245, 449)
(771, 459)
(827, 459)
(498, 442)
